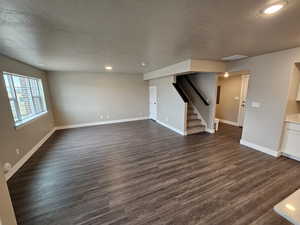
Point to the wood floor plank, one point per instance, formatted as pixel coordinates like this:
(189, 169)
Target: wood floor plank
(140, 173)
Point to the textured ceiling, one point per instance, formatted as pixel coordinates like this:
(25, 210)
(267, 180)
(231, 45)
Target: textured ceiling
(85, 35)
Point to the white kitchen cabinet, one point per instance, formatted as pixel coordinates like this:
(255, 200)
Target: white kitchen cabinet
(291, 140)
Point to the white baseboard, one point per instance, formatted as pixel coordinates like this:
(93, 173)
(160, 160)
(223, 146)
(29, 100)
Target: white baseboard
(291, 156)
(171, 128)
(229, 122)
(260, 148)
(100, 123)
(24, 159)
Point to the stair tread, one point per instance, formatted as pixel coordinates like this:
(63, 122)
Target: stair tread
(195, 130)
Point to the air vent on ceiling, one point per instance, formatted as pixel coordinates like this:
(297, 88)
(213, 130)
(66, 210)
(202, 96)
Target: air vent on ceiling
(234, 57)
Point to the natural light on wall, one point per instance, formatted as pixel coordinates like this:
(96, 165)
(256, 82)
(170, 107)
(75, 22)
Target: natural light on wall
(26, 97)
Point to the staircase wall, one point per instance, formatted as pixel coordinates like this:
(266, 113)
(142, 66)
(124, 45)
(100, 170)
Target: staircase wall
(171, 109)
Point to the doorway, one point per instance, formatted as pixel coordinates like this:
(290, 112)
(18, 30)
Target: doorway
(153, 102)
(232, 98)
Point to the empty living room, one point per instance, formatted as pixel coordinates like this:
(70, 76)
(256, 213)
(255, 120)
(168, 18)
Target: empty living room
(170, 112)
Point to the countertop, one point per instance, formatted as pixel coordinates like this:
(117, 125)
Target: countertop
(289, 208)
(293, 118)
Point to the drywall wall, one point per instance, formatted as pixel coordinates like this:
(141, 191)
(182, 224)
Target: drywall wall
(177, 68)
(206, 83)
(230, 91)
(80, 98)
(293, 106)
(7, 215)
(187, 66)
(170, 106)
(208, 66)
(268, 86)
(26, 137)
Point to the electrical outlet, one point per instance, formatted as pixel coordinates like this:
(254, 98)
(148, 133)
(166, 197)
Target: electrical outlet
(7, 167)
(101, 117)
(167, 119)
(18, 151)
(107, 116)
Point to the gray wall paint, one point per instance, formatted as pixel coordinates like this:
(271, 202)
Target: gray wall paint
(80, 98)
(269, 85)
(228, 109)
(207, 83)
(7, 215)
(29, 135)
(170, 106)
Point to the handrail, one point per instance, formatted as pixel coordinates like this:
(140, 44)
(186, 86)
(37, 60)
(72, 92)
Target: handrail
(181, 93)
(205, 100)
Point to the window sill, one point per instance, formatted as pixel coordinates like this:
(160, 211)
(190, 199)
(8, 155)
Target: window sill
(29, 120)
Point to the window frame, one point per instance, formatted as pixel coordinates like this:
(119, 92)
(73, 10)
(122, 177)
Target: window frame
(18, 121)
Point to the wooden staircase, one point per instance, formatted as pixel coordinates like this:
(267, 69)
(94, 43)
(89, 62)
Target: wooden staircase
(194, 124)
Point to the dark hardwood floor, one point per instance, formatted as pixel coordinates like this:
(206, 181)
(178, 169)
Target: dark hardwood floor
(140, 173)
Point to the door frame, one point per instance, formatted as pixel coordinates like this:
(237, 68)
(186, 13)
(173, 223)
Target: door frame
(243, 95)
(150, 115)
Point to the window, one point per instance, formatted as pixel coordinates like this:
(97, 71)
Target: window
(26, 97)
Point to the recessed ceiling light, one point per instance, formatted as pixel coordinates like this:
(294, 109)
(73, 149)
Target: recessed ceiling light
(226, 75)
(274, 8)
(234, 57)
(108, 67)
(143, 64)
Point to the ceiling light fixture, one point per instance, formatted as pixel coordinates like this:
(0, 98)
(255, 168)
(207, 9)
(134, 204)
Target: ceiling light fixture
(274, 8)
(108, 67)
(143, 64)
(234, 57)
(226, 75)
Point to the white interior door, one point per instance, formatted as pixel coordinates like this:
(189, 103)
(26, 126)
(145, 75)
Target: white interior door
(243, 99)
(153, 102)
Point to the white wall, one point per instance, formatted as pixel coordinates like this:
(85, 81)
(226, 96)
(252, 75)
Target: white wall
(7, 215)
(268, 85)
(170, 106)
(80, 98)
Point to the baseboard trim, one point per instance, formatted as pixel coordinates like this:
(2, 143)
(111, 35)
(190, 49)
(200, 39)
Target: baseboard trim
(290, 156)
(100, 123)
(229, 122)
(27, 156)
(171, 128)
(260, 148)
